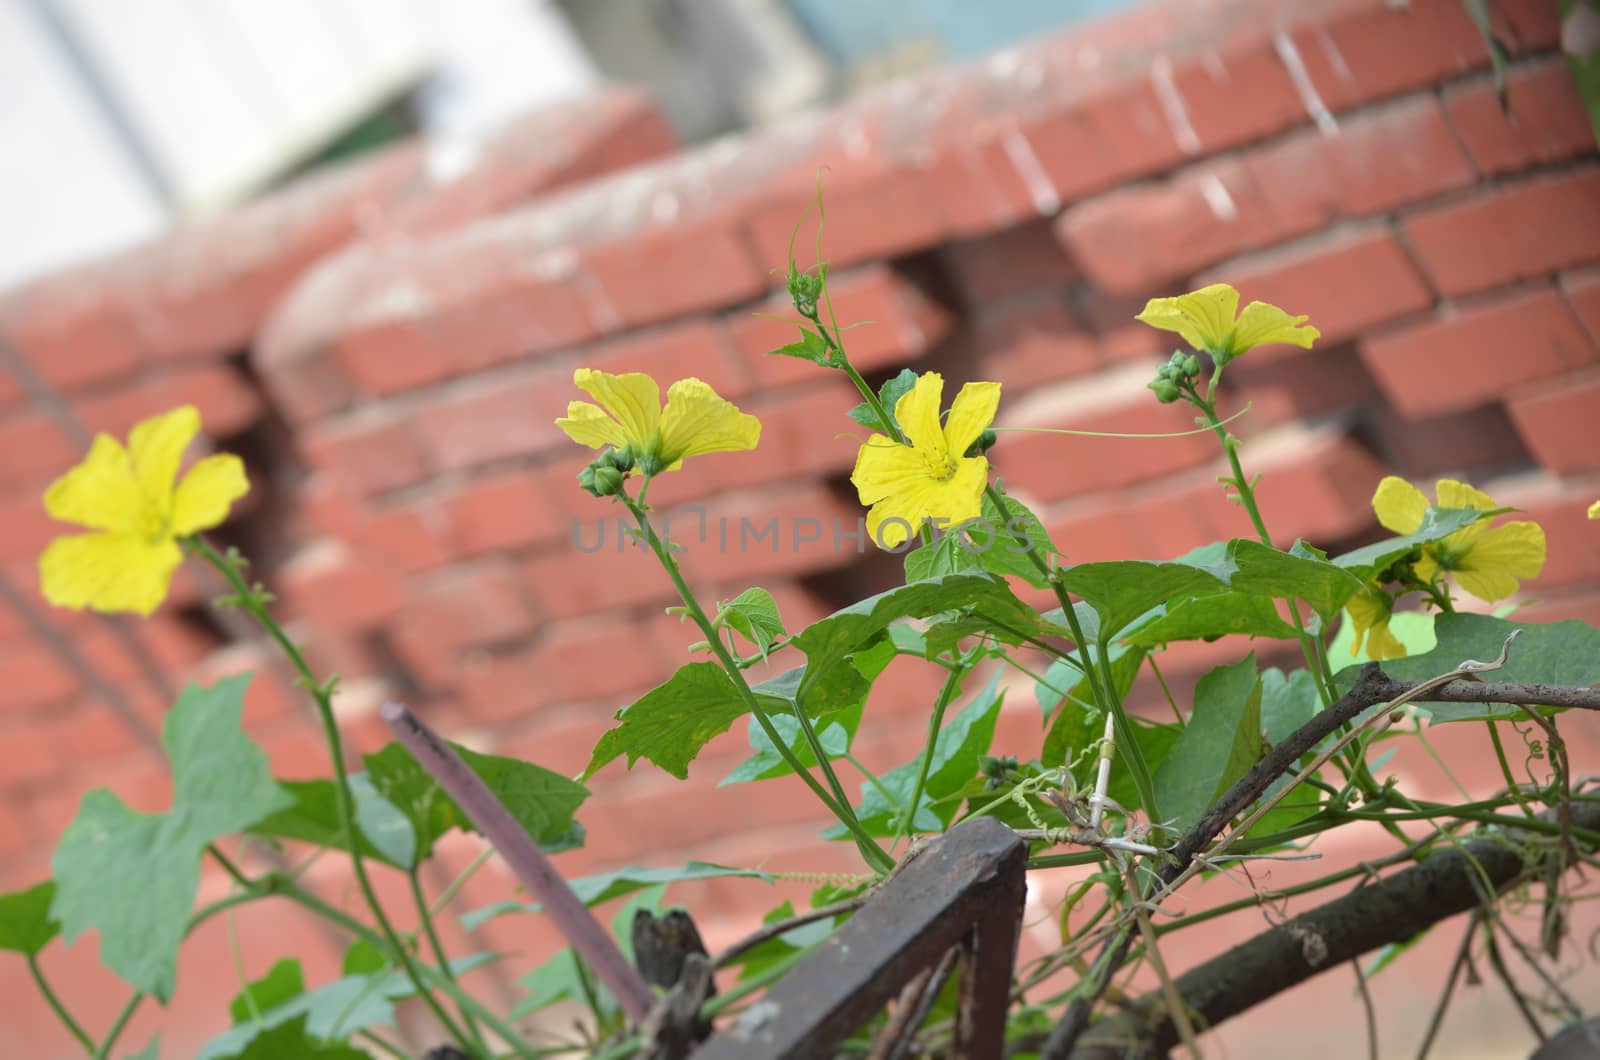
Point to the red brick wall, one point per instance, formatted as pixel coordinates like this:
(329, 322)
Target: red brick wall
(389, 344)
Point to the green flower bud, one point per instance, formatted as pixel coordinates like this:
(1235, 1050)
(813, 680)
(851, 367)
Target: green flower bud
(1191, 366)
(607, 481)
(621, 459)
(1165, 389)
(984, 443)
(804, 290)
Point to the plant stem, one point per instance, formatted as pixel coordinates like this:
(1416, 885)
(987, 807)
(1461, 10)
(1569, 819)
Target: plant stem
(837, 803)
(428, 928)
(250, 600)
(55, 1004)
(952, 685)
(117, 1027)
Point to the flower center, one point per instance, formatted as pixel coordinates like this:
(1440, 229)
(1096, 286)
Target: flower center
(937, 460)
(155, 521)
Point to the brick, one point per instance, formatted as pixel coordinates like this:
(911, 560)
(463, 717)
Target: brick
(228, 404)
(1572, 547)
(657, 274)
(568, 581)
(1304, 383)
(1557, 423)
(1028, 341)
(370, 451)
(1582, 291)
(695, 348)
(805, 434)
(40, 757)
(1378, 160)
(509, 510)
(789, 532)
(1482, 437)
(1115, 132)
(1091, 530)
(37, 449)
(1316, 484)
(596, 659)
(1546, 121)
(492, 417)
(1131, 240)
(875, 210)
(1010, 262)
(296, 750)
(338, 588)
(1162, 524)
(25, 530)
(34, 676)
(1056, 466)
(1375, 51)
(888, 321)
(976, 185)
(1233, 95)
(168, 644)
(406, 540)
(1509, 233)
(69, 329)
(1462, 358)
(1346, 283)
(269, 696)
(502, 688)
(476, 606)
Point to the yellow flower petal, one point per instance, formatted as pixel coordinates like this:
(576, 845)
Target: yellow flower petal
(885, 468)
(917, 412)
(970, 415)
(1370, 611)
(156, 445)
(698, 420)
(1399, 505)
(1453, 494)
(1504, 554)
(203, 498)
(589, 425)
(1262, 323)
(1204, 318)
(1594, 510)
(101, 493)
(633, 398)
(108, 572)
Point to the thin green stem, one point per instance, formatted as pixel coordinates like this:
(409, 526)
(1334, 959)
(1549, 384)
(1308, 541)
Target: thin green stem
(385, 1044)
(251, 601)
(425, 914)
(872, 779)
(118, 1026)
(837, 803)
(448, 895)
(947, 693)
(1167, 691)
(56, 1006)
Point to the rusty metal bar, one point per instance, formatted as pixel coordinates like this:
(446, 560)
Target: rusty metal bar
(969, 882)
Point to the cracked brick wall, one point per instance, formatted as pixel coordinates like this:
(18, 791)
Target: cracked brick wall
(388, 345)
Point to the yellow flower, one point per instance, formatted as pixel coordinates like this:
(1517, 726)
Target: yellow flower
(138, 509)
(1370, 611)
(905, 485)
(1205, 319)
(1487, 562)
(695, 421)
(1594, 510)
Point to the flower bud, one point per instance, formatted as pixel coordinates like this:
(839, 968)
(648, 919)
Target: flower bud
(607, 481)
(1165, 389)
(1191, 366)
(984, 443)
(621, 459)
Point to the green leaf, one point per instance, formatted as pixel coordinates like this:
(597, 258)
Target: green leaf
(328, 1013)
(669, 724)
(943, 555)
(1016, 628)
(1210, 617)
(1156, 743)
(1437, 524)
(1221, 741)
(152, 1051)
(768, 763)
(811, 347)
(542, 802)
(593, 890)
(1077, 726)
(889, 396)
(955, 761)
(363, 958)
(828, 642)
(1556, 653)
(1288, 701)
(383, 824)
(286, 1040)
(313, 817)
(25, 924)
(999, 551)
(282, 983)
(1255, 569)
(133, 876)
(1122, 590)
(753, 614)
